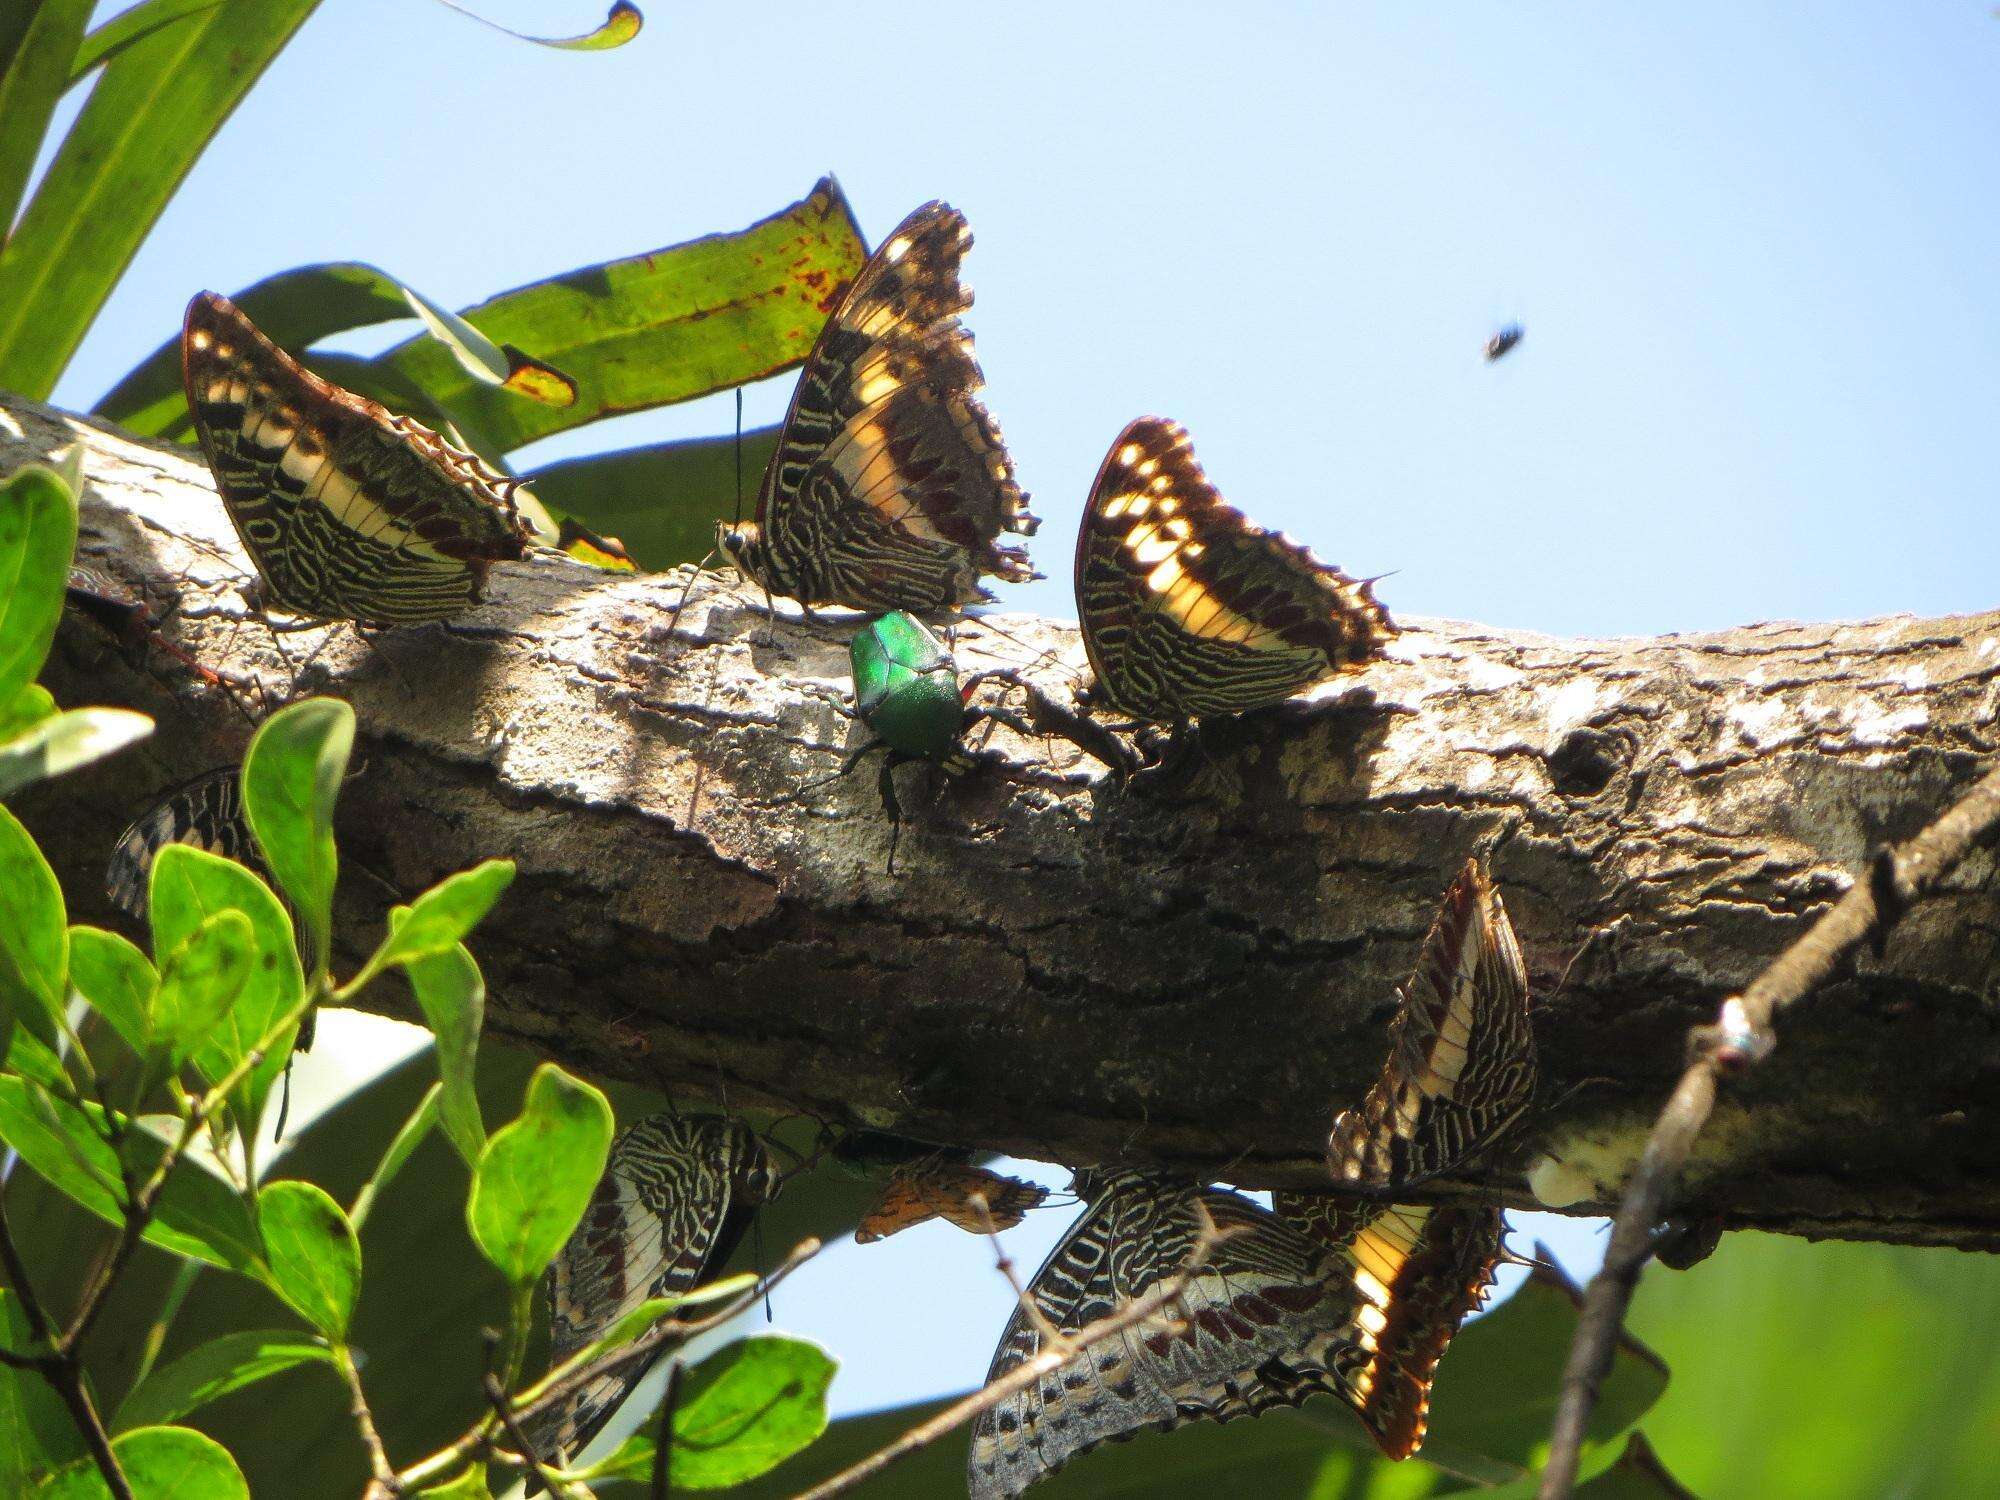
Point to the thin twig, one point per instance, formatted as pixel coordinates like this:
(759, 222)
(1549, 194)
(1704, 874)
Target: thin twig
(566, 1380)
(663, 1441)
(364, 1420)
(1741, 1037)
(1065, 1348)
(496, 1396)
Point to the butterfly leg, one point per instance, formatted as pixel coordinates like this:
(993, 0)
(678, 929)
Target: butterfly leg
(1047, 716)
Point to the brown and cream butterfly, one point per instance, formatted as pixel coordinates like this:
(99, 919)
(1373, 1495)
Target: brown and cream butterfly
(349, 511)
(890, 486)
(970, 1197)
(1416, 1272)
(1272, 1318)
(1461, 1065)
(1188, 609)
(677, 1195)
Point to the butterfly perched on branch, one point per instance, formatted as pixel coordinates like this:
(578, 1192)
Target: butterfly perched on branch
(971, 1197)
(890, 486)
(1188, 609)
(1461, 1066)
(349, 511)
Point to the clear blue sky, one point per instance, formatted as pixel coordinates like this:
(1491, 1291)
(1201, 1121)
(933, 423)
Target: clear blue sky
(1756, 251)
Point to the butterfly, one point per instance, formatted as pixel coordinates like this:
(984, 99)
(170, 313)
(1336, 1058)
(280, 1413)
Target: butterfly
(1268, 1321)
(1417, 1272)
(971, 1197)
(349, 511)
(677, 1195)
(890, 486)
(1461, 1065)
(1188, 609)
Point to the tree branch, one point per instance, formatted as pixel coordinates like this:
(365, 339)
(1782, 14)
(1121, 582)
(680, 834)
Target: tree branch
(1740, 1038)
(1191, 978)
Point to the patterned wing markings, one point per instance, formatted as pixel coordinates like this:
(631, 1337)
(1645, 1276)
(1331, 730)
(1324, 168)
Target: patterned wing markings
(206, 812)
(1269, 1321)
(1188, 609)
(1461, 1065)
(1418, 1272)
(968, 1196)
(349, 511)
(677, 1195)
(890, 486)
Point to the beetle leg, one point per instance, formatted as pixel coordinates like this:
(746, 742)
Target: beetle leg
(886, 785)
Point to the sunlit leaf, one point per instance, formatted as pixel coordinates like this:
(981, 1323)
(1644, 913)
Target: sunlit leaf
(191, 885)
(197, 1216)
(125, 28)
(34, 941)
(65, 741)
(201, 980)
(161, 1463)
(37, 539)
(117, 980)
(443, 916)
(451, 992)
(315, 1260)
(489, 362)
(37, 40)
(406, 1141)
(291, 780)
(537, 1173)
(150, 114)
(215, 1369)
(742, 1411)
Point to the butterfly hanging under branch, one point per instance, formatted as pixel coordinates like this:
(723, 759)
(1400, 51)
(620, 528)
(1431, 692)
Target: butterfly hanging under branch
(890, 487)
(349, 511)
(1461, 1067)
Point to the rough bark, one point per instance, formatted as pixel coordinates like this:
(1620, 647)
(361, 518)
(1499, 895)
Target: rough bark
(1067, 970)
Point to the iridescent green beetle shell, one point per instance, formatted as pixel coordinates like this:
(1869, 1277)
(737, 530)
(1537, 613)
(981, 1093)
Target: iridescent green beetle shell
(906, 687)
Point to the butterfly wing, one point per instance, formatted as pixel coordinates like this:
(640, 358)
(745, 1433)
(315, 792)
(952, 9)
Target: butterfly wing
(1187, 608)
(1263, 1308)
(1461, 1063)
(891, 485)
(206, 813)
(1417, 1273)
(677, 1195)
(349, 511)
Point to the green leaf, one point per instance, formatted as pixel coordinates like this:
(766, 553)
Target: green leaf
(37, 540)
(191, 885)
(118, 981)
(162, 1463)
(452, 995)
(37, 41)
(315, 1259)
(65, 741)
(27, 708)
(201, 981)
(197, 1216)
(215, 1369)
(149, 115)
(443, 916)
(663, 500)
(658, 328)
(125, 28)
(743, 1411)
(291, 780)
(537, 1173)
(34, 944)
(471, 1485)
(36, 1433)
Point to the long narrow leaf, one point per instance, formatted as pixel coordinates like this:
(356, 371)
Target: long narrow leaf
(150, 115)
(658, 328)
(125, 28)
(37, 42)
(619, 26)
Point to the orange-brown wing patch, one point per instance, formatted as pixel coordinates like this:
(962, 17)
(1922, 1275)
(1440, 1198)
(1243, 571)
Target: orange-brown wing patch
(970, 1197)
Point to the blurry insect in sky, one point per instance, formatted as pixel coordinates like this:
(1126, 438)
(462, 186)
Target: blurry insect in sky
(1504, 340)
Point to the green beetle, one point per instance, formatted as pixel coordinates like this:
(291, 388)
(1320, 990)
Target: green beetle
(908, 694)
